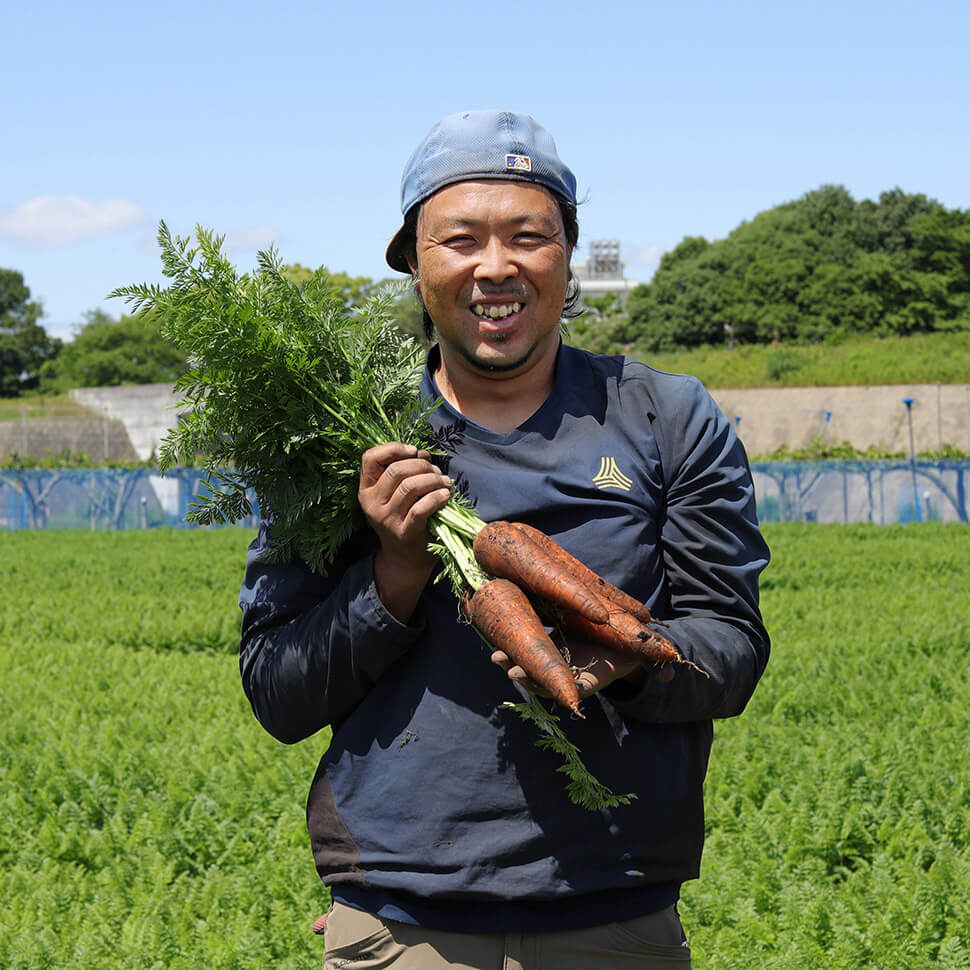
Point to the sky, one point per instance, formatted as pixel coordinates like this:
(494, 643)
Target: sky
(291, 126)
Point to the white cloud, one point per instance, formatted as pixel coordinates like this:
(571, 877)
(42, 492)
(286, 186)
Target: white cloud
(55, 220)
(251, 238)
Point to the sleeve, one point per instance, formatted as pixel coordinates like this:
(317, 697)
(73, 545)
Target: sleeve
(311, 647)
(713, 555)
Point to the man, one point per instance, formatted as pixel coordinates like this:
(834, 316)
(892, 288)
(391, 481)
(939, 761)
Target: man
(444, 833)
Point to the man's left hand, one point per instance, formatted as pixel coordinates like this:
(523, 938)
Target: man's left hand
(597, 667)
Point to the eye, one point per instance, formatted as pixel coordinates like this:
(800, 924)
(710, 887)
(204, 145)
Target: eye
(460, 239)
(528, 237)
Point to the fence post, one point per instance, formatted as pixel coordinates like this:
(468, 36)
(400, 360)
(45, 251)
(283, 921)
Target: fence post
(908, 401)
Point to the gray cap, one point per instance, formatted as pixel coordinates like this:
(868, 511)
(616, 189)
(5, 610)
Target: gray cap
(479, 144)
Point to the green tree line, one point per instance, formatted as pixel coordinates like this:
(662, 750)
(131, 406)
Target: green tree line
(819, 267)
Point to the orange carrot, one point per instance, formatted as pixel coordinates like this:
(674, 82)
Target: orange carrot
(507, 553)
(624, 633)
(504, 616)
(605, 589)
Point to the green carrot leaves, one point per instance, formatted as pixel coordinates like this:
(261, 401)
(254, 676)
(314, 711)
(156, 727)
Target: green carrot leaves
(287, 388)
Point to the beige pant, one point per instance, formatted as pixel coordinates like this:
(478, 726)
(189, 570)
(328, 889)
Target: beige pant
(359, 941)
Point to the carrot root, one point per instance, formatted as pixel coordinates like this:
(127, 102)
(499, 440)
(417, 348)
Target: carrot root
(504, 616)
(602, 587)
(508, 553)
(624, 633)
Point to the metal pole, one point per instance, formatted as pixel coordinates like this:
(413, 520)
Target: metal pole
(908, 401)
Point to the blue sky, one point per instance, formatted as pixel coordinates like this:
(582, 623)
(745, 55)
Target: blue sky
(292, 126)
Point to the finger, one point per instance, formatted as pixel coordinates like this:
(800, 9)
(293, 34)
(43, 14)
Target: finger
(516, 673)
(424, 507)
(375, 460)
(429, 491)
(587, 684)
(401, 478)
(592, 677)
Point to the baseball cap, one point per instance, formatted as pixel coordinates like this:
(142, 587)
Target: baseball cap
(479, 144)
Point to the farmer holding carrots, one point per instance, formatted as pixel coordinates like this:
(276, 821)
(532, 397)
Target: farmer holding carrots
(445, 835)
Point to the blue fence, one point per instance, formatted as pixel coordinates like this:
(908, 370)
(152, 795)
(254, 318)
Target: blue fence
(100, 498)
(862, 491)
(824, 491)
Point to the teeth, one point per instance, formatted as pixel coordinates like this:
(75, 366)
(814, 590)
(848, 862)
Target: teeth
(495, 312)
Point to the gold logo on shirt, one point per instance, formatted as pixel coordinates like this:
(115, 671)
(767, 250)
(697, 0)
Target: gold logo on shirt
(610, 476)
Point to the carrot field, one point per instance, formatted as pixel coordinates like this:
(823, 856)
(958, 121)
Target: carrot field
(147, 821)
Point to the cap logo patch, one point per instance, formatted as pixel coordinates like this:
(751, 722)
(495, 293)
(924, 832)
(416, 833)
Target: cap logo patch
(518, 163)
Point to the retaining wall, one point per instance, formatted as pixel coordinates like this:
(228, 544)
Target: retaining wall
(766, 418)
(863, 416)
(147, 411)
(103, 439)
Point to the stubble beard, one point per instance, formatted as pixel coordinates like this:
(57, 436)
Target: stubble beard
(488, 367)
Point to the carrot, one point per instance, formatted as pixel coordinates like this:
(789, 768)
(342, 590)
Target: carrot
(623, 633)
(504, 616)
(507, 553)
(605, 589)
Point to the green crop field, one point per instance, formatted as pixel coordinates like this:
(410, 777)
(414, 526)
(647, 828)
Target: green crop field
(147, 821)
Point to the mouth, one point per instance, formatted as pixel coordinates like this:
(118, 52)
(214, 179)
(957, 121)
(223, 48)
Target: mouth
(490, 312)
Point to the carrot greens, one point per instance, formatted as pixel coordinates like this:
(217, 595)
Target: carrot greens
(287, 388)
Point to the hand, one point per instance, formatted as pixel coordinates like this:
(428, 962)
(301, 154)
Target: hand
(597, 667)
(400, 489)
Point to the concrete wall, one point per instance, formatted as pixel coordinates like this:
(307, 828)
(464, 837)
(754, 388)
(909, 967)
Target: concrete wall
(768, 418)
(147, 411)
(862, 416)
(100, 438)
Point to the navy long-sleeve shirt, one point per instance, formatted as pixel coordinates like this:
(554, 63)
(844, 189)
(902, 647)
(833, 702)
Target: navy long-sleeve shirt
(432, 803)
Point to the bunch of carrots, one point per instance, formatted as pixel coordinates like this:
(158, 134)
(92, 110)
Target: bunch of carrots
(535, 582)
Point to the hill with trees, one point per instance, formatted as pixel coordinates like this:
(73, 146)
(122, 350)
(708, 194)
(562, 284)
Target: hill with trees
(821, 267)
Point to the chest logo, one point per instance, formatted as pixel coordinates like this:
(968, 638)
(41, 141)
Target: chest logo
(610, 476)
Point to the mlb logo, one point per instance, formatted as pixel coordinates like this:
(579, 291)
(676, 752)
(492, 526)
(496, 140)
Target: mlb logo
(518, 163)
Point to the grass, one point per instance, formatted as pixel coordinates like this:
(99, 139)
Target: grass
(921, 359)
(37, 407)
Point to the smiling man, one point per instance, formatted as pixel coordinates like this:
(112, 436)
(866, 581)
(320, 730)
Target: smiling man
(444, 833)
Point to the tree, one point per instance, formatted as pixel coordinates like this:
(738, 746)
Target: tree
(818, 267)
(107, 352)
(24, 344)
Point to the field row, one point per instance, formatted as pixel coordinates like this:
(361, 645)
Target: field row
(147, 821)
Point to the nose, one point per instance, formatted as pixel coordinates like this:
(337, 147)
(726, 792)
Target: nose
(495, 262)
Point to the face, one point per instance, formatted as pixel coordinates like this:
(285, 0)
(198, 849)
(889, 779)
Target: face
(493, 263)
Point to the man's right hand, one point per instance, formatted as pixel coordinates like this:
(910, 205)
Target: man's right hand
(400, 489)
